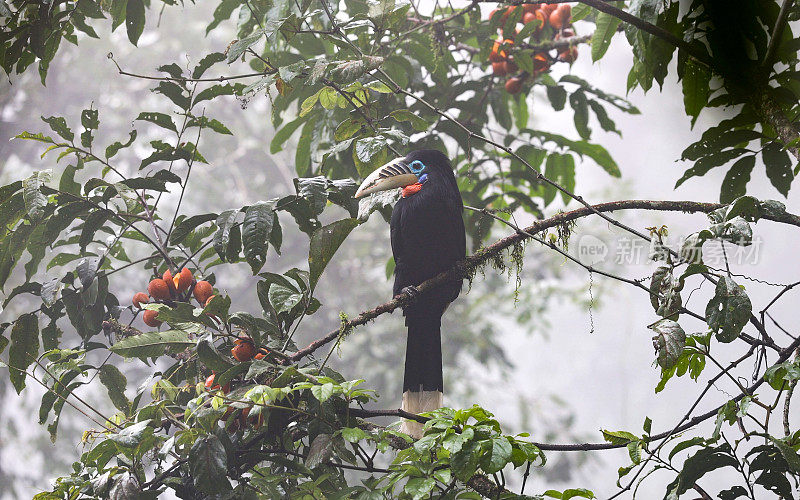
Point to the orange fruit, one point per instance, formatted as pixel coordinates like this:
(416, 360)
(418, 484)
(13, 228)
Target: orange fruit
(566, 11)
(557, 19)
(540, 62)
(565, 33)
(202, 291)
(497, 55)
(183, 280)
(499, 68)
(211, 386)
(541, 16)
(243, 350)
(529, 17)
(510, 67)
(569, 55)
(139, 298)
(151, 318)
(547, 9)
(514, 85)
(167, 277)
(530, 8)
(158, 289)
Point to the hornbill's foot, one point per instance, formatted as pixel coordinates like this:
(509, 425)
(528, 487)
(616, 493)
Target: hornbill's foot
(410, 292)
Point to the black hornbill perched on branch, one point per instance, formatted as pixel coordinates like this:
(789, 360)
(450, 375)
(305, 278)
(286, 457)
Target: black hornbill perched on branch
(428, 238)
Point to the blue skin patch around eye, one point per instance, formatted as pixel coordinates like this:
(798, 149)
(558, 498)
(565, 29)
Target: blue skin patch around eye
(417, 167)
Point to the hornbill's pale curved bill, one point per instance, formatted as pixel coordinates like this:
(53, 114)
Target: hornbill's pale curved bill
(427, 234)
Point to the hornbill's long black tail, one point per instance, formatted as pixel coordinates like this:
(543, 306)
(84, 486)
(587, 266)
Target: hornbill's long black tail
(422, 381)
(427, 239)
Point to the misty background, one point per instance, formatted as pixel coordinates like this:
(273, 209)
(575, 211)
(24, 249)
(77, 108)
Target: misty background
(570, 356)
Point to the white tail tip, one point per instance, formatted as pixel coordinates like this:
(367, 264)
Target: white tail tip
(419, 402)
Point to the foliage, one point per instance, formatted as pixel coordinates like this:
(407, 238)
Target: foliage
(355, 83)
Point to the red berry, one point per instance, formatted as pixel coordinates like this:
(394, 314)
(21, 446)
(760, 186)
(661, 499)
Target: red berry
(151, 318)
(139, 298)
(158, 289)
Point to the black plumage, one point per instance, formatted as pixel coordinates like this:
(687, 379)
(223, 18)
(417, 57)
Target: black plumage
(427, 232)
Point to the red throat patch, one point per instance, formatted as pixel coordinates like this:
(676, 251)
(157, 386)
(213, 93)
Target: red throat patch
(411, 189)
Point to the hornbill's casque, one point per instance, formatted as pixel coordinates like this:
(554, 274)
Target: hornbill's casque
(427, 234)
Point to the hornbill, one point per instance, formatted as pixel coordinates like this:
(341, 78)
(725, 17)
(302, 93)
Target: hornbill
(427, 235)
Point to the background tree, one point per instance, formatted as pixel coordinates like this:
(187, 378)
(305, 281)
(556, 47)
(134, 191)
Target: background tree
(359, 82)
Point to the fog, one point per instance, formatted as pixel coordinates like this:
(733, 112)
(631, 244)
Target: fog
(583, 364)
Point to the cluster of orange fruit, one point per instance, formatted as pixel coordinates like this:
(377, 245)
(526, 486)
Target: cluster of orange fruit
(169, 288)
(558, 16)
(243, 350)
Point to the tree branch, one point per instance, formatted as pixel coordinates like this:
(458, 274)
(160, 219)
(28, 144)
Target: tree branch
(650, 28)
(777, 33)
(463, 268)
(770, 112)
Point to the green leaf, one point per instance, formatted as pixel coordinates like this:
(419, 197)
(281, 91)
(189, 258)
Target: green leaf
(115, 383)
(206, 62)
(696, 77)
(308, 104)
(160, 119)
(347, 129)
(256, 229)
(705, 164)
(605, 27)
(114, 148)
(283, 134)
(223, 11)
(35, 200)
(324, 243)
(619, 437)
(696, 466)
(735, 182)
(729, 310)
(353, 434)
(581, 118)
(320, 451)
(789, 454)
(210, 357)
(153, 344)
(464, 463)
(59, 125)
(186, 226)
(322, 392)
(133, 435)
(419, 487)
(576, 492)
(669, 341)
(24, 349)
(222, 237)
(117, 10)
(283, 299)
(557, 96)
(174, 92)
(779, 167)
(315, 190)
(134, 19)
(500, 455)
(404, 115)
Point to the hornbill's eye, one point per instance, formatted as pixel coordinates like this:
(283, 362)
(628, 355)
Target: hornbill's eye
(417, 167)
